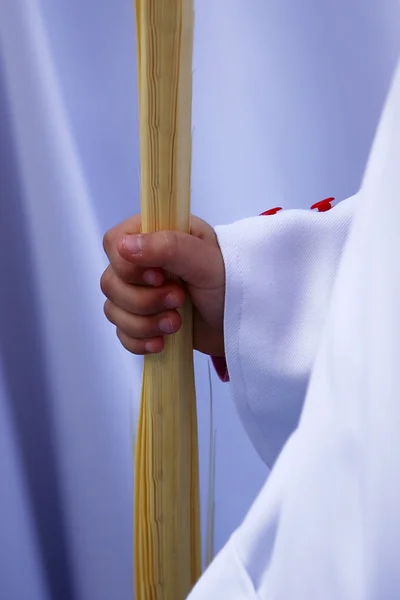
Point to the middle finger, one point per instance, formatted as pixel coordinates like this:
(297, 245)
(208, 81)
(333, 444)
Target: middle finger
(141, 300)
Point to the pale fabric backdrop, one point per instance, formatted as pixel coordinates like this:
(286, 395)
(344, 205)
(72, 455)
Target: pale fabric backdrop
(286, 100)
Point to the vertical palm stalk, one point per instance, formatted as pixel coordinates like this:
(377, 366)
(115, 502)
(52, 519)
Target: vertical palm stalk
(167, 530)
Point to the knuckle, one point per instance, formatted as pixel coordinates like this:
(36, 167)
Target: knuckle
(128, 343)
(105, 281)
(171, 244)
(107, 308)
(107, 240)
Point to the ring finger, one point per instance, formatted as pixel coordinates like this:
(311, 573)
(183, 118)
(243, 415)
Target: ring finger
(142, 327)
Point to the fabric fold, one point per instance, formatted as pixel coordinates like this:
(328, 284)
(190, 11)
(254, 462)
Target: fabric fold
(280, 271)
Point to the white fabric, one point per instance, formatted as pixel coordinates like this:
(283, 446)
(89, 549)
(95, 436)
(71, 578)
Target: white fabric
(287, 97)
(280, 271)
(326, 524)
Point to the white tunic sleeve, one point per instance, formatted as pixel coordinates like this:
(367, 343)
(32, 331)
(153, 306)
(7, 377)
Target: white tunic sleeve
(280, 271)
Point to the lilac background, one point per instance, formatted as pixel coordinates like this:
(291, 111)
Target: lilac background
(287, 97)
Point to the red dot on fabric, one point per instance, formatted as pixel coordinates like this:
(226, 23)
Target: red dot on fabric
(271, 211)
(323, 205)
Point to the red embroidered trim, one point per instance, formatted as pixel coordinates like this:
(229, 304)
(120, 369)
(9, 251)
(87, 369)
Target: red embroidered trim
(323, 205)
(271, 211)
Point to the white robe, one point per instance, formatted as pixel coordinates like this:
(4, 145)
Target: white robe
(326, 524)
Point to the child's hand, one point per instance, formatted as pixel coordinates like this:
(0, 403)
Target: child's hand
(142, 302)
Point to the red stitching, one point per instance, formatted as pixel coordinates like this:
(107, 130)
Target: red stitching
(323, 205)
(271, 211)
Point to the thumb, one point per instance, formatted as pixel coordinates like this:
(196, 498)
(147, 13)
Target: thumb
(196, 261)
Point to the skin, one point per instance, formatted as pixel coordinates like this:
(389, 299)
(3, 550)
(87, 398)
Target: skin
(143, 304)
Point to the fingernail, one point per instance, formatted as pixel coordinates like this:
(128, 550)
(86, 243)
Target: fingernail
(149, 347)
(171, 301)
(149, 277)
(133, 243)
(166, 326)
